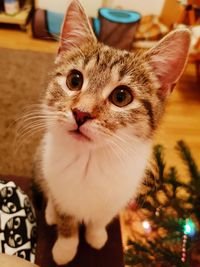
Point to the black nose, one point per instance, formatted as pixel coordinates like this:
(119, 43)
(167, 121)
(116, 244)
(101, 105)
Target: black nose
(81, 117)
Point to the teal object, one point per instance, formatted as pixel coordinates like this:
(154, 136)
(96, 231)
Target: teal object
(189, 228)
(96, 26)
(54, 21)
(120, 16)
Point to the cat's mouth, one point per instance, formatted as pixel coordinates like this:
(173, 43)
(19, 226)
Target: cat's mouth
(78, 135)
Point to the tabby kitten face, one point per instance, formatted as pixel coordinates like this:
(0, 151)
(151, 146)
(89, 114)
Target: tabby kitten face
(99, 93)
(102, 92)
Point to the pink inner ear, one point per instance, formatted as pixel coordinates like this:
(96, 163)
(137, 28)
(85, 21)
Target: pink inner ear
(169, 58)
(168, 69)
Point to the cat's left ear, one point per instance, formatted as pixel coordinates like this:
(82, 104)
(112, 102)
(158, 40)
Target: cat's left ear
(76, 28)
(168, 59)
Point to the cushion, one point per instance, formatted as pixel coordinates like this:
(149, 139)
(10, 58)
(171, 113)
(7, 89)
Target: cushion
(17, 222)
(151, 28)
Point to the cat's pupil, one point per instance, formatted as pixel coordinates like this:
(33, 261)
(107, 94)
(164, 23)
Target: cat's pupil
(120, 97)
(75, 80)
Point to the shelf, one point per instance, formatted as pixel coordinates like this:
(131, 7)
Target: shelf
(20, 18)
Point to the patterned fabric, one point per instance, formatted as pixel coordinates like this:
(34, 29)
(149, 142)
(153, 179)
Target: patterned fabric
(17, 222)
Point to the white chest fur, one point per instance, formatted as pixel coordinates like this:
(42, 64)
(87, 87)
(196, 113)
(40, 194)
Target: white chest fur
(89, 184)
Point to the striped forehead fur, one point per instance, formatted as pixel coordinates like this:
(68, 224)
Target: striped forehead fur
(102, 60)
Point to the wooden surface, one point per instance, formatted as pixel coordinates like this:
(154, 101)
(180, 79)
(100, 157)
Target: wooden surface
(17, 39)
(182, 118)
(10, 261)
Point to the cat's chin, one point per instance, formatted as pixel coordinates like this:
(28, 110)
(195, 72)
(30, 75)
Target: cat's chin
(80, 136)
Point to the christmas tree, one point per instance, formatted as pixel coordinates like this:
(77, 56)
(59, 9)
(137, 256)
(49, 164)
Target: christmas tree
(168, 211)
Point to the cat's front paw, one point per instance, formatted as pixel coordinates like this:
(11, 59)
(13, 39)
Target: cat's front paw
(65, 249)
(96, 239)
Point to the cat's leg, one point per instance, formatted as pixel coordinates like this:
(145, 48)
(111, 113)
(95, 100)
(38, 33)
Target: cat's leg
(96, 234)
(65, 248)
(50, 214)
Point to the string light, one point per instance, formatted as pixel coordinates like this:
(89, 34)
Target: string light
(146, 225)
(189, 230)
(183, 255)
(157, 213)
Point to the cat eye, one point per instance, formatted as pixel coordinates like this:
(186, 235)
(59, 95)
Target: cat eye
(121, 96)
(74, 80)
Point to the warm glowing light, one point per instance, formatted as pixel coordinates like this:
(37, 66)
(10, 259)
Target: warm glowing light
(146, 225)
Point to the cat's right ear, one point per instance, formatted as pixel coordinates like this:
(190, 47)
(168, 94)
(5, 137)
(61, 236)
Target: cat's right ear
(168, 59)
(76, 28)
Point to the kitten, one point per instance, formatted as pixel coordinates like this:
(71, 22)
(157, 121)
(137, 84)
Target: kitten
(102, 107)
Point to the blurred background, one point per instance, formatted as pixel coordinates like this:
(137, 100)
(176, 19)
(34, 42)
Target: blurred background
(29, 32)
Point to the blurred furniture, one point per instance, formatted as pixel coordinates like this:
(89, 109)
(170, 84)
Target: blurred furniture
(189, 12)
(21, 18)
(1, 5)
(113, 27)
(153, 27)
(41, 24)
(118, 27)
(194, 58)
(171, 10)
(190, 15)
(144, 7)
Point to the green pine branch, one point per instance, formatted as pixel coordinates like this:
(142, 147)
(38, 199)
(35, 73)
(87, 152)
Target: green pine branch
(189, 161)
(166, 250)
